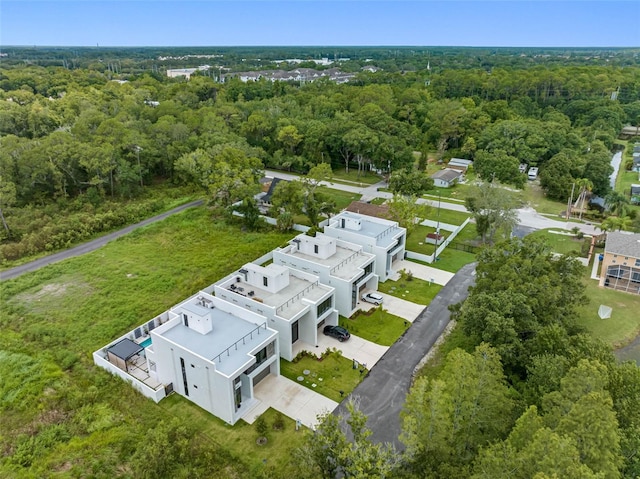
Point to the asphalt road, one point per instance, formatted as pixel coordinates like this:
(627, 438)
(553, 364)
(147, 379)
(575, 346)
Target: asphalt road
(381, 396)
(89, 246)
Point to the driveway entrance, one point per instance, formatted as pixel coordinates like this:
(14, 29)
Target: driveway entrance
(291, 399)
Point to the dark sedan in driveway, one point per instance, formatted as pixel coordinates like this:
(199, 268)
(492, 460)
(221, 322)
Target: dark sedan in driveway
(338, 332)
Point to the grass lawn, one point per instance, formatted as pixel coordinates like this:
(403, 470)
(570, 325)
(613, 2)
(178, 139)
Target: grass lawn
(375, 325)
(365, 177)
(342, 198)
(562, 244)
(534, 197)
(447, 216)
(56, 317)
(450, 260)
(624, 324)
(415, 240)
(331, 374)
(239, 439)
(417, 290)
(378, 201)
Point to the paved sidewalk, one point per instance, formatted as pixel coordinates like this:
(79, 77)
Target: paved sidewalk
(291, 399)
(427, 273)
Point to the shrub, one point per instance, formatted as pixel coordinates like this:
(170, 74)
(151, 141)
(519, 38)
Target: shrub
(261, 426)
(278, 421)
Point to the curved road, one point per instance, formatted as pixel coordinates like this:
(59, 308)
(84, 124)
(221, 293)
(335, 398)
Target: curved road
(91, 245)
(381, 396)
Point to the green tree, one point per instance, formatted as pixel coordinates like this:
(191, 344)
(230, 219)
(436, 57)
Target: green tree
(410, 182)
(447, 420)
(493, 210)
(327, 453)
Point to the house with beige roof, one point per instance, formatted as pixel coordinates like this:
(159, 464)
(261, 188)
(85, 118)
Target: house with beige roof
(620, 267)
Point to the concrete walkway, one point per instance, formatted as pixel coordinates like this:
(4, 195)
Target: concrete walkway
(291, 399)
(401, 307)
(382, 394)
(426, 273)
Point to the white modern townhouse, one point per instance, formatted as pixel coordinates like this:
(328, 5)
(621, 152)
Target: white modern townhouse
(206, 349)
(339, 264)
(383, 238)
(295, 303)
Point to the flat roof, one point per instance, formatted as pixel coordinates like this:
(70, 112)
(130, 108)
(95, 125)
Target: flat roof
(288, 301)
(345, 263)
(228, 332)
(384, 231)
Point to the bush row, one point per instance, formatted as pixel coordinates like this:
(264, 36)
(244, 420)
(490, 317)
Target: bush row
(51, 234)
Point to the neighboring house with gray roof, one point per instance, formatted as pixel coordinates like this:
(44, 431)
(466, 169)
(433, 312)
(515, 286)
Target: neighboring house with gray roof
(620, 267)
(446, 178)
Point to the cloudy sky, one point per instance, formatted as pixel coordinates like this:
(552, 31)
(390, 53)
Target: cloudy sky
(519, 23)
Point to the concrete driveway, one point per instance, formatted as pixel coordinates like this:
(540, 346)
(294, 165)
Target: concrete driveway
(396, 306)
(363, 351)
(291, 399)
(421, 271)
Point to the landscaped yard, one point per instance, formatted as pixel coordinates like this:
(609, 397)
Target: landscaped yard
(239, 439)
(562, 243)
(331, 374)
(375, 325)
(417, 290)
(447, 216)
(624, 324)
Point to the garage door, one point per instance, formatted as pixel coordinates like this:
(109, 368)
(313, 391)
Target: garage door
(260, 376)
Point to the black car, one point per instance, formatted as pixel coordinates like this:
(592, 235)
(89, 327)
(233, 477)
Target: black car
(337, 332)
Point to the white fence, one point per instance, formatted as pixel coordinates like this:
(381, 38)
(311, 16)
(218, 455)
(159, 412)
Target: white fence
(155, 394)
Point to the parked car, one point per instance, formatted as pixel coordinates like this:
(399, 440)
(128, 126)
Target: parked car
(338, 332)
(373, 298)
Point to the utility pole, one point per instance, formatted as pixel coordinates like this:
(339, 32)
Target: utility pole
(570, 200)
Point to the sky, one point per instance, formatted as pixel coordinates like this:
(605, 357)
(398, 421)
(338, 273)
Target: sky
(515, 23)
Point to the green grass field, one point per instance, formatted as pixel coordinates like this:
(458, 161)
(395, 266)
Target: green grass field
(561, 243)
(365, 177)
(53, 319)
(624, 324)
(417, 290)
(332, 374)
(342, 198)
(534, 197)
(376, 325)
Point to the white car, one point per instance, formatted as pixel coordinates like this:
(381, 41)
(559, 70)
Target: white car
(373, 298)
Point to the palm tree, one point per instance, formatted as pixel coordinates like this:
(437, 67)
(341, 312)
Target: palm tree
(585, 186)
(611, 223)
(616, 202)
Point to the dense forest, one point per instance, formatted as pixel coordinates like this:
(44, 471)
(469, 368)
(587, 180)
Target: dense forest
(90, 131)
(82, 136)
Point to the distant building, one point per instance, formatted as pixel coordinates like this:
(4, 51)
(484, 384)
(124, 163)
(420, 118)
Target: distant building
(185, 72)
(635, 194)
(446, 178)
(459, 164)
(620, 267)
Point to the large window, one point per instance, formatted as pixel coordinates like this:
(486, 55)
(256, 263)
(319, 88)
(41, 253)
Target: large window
(184, 377)
(324, 306)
